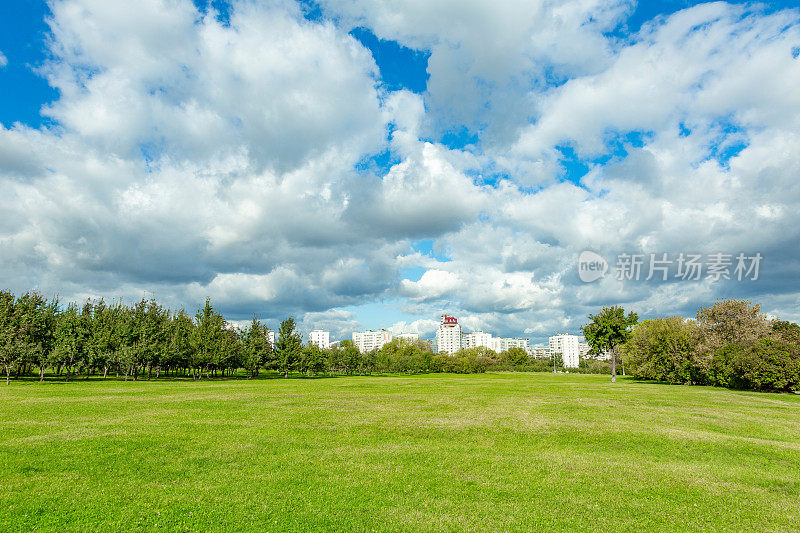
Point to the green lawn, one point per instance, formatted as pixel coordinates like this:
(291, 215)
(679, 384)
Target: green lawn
(438, 452)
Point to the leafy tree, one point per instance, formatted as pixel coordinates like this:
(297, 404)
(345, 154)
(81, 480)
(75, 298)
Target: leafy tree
(207, 338)
(181, 348)
(515, 356)
(664, 349)
(101, 337)
(732, 322)
(71, 343)
(767, 365)
(10, 340)
(728, 321)
(312, 360)
(786, 331)
(289, 347)
(556, 360)
(255, 347)
(607, 331)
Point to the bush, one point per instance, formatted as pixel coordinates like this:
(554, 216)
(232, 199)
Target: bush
(664, 349)
(768, 365)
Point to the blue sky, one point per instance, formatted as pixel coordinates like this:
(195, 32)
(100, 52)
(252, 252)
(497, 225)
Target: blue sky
(369, 164)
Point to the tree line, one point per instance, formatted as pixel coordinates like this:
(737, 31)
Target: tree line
(146, 340)
(728, 344)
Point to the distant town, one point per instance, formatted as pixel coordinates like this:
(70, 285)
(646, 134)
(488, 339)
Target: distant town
(450, 338)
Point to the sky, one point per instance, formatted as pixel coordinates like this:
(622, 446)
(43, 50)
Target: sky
(376, 163)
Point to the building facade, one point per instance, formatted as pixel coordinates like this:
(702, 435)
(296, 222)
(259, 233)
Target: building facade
(407, 336)
(321, 338)
(540, 351)
(506, 344)
(448, 336)
(476, 339)
(366, 341)
(569, 348)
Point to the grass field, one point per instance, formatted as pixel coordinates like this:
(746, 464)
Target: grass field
(437, 452)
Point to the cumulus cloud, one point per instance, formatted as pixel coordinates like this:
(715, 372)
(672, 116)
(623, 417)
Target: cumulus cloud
(191, 155)
(486, 57)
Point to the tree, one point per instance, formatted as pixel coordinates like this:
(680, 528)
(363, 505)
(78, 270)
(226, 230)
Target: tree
(181, 348)
(607, 331)
(10, 349)
(255, 347)
(70, 345)
(312, 360)
(289, 347)
(769, 364)
(207, 341)
(732, 322)
(664, 349)
(786, 331)
(558, 360)
(728, 322)
(515, 356)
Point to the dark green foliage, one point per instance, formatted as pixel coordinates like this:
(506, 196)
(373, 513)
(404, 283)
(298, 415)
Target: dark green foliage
(256, 351)
(664, 349)
(288, 347)
(731, 344)
(767, 365)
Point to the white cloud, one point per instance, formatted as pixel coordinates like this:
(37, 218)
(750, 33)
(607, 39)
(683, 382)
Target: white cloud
(195, 158)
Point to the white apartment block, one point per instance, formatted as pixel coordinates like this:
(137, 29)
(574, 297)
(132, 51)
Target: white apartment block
(408, 336)
(476, 339)
(271, 338)
(321, 338)
(366, 341)
(583, 349)
(569, 348)
(539, 351)
(506, 344)
(496, 344)
(448, 336)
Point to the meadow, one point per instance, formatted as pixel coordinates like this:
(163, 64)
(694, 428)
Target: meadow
(441, 452)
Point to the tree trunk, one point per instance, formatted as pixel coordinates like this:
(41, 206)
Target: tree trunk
(8, 375)
(41, 373)
(614, 365)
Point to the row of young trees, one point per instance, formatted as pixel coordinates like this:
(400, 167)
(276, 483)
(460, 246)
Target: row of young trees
(147, 340)
(729, 344)
(142, 339)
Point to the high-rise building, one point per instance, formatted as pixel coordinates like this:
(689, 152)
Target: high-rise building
(271, 338)
(321, 338)
(476, 339)
(539, 351)
(583, 349)
(506, 344)
(366, 341)
(448, 336)
(568, 347)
